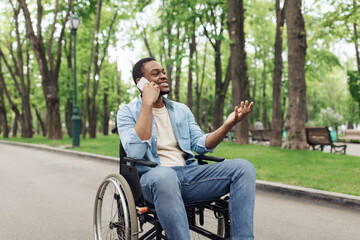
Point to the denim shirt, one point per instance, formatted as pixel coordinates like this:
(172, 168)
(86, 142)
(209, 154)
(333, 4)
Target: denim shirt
(188, 134)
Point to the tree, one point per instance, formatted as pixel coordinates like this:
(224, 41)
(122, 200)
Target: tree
(12, 104)
(49, 67)
(3, 117)
(98, 63)
(238, 63)
(277, 119)
(212, 18)
(20, 78)
(354, 85)
(91, 62)
(297, 86)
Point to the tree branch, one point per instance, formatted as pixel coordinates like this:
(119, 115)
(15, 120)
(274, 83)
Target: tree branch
(13, 75)
(58, 58)
(8, 97)
(49, 53)
(108, 40)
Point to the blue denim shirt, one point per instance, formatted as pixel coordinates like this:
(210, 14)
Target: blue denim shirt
(188, 134)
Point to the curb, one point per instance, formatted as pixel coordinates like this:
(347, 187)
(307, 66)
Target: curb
(344, 200)
(63, 151)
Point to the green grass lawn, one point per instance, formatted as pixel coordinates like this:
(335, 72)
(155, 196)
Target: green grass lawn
(312, 169)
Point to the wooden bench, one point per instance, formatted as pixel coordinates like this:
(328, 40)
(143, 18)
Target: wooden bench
(320, 136)
(352, 135)
(260, 135)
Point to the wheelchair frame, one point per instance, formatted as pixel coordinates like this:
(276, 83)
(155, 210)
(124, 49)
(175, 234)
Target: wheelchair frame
(132, 210)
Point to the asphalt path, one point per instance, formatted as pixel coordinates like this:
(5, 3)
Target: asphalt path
(46, 195)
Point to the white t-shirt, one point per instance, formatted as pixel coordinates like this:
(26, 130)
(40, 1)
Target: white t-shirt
(167, 147)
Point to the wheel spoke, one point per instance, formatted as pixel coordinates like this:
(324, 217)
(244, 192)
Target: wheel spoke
(114, 216)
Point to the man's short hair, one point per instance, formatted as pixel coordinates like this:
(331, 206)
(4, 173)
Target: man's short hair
(138, 67)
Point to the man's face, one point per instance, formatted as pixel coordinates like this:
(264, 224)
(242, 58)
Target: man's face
(153, 72)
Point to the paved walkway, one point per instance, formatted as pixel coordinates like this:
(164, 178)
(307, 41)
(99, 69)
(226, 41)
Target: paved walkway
(352, 149)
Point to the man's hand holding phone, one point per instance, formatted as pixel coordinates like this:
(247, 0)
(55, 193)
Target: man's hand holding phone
(141, 83)
(150, 91)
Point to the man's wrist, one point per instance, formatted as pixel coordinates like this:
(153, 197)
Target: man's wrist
(147, 104)
(228, 126)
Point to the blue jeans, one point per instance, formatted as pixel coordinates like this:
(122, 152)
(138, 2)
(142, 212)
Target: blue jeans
(167, 188)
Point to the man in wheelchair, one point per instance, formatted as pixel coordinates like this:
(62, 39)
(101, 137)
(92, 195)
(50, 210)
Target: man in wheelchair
(159, 130)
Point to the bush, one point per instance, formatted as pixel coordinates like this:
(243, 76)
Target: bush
(328, 117)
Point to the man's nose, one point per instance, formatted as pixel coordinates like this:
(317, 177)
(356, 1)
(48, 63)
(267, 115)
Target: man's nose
(163, 76)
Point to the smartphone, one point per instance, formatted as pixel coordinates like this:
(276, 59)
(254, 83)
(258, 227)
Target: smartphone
(141, 83)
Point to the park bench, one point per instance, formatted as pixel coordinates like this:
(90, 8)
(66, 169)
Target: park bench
(352, 135)
(260, 135)
(266, 134)
(318, 137)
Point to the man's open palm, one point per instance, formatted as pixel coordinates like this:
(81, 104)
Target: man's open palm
(239, 113)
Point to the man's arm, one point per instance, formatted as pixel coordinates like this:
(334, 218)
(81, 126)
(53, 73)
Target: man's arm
(234, 118)
(143, 126)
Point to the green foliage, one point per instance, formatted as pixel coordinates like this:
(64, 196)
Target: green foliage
(325, 69)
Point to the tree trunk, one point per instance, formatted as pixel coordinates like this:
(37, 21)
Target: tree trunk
(15, 126)
(256, 107)
(118, 89)
(69, 98)
(68, 115)
(3, 117)
(168, 60)
(198, 90)
(106, 116)
(263, 102)
(97, 68)
(219, 107)
(26, 111)
(356, 48)
(178, 67)
(238, 64)
(297, 87)
(93, 40)
(93, 119)
(220, 96)
(215, 38)
(207, 125)
(192, 48)
(277, 115)
(48, 66)
(41, 122)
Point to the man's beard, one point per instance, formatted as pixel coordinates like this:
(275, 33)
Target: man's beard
(164, 92)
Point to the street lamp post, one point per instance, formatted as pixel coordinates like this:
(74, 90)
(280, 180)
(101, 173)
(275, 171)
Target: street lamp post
(74, 22)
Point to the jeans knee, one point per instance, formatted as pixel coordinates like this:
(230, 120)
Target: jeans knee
(245, 169)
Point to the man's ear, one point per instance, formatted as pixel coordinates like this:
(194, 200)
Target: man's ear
(137, 80)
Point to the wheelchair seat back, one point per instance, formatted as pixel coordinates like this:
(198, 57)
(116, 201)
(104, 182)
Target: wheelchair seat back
(131, 175)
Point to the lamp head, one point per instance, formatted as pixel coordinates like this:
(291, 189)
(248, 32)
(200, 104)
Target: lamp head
(74, 21)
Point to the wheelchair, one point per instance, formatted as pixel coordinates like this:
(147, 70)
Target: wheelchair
(120, 212)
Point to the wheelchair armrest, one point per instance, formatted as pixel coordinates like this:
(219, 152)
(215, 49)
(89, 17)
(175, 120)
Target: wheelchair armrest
(114, 130)
(209, 158)
(141, 162)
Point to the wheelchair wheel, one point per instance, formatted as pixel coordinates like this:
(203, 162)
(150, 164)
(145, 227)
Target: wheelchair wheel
(114, 210)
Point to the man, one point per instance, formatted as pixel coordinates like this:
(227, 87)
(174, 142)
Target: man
(259, 125)
(154, 128)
